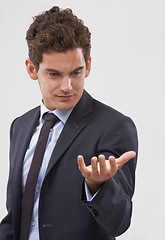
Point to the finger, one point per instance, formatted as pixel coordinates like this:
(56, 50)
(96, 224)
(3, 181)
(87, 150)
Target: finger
(125, 157)
(113, 165)
(94, 165)
(82, 167)
(103, 167)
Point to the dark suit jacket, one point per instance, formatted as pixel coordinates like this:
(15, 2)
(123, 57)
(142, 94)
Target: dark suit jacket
(92, 129)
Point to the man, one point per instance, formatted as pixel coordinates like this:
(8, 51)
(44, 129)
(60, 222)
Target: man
(85, 183)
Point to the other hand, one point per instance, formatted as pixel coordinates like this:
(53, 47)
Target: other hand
(101, 169)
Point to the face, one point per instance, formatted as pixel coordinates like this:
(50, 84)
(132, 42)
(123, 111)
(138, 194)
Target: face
(61, 78)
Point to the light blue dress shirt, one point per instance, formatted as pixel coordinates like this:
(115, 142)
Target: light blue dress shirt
(52, 139)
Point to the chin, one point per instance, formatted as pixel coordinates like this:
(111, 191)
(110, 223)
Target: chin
(66, 106)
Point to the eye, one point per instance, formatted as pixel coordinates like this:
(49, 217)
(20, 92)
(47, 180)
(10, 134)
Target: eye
(53, 74)
(76, 73)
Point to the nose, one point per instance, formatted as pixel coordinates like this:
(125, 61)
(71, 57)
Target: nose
(66, 84)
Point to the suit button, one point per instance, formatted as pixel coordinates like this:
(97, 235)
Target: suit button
(33, 224)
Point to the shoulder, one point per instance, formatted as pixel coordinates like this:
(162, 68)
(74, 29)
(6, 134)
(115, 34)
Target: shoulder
(31, 112)
(28, 114)
(101, 108)
(109, 114)
(90, 105)
(115, 128)
(23, 120)
(102, 113)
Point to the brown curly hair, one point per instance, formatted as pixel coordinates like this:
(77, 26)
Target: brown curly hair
(57, 30)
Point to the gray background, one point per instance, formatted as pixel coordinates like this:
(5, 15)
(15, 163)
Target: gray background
(128, 73)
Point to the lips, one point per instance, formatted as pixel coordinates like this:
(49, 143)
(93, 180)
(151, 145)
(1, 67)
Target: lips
(65, 97)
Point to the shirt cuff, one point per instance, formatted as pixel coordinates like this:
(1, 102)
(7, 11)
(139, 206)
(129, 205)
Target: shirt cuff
(88, 193)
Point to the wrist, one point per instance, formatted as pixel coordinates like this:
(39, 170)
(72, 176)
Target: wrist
(93, 186)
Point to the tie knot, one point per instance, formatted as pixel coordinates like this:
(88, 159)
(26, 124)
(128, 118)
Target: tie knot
(51, 117)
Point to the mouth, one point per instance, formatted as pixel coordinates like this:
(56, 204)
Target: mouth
(65, 97)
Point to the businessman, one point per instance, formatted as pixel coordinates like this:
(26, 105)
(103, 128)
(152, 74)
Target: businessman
(72, 159)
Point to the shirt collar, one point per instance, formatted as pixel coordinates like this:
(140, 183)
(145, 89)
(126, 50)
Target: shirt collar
(61, 114)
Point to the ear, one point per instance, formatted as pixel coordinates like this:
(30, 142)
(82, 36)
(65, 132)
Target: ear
(88, 67)
(31, 69)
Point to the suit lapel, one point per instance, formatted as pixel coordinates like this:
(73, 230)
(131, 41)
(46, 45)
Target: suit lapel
(74, 125)
(28, 125)
(23, 130)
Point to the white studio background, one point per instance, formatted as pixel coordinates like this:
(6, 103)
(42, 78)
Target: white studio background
(128, 73)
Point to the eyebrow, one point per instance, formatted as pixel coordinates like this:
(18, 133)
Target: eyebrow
(54, 70)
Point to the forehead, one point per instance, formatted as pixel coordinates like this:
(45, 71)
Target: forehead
(63, 61)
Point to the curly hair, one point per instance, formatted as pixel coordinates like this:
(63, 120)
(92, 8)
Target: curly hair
(57, 30)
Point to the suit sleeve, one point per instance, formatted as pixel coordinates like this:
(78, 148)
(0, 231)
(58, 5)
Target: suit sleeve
(112, 206)
(6, 225)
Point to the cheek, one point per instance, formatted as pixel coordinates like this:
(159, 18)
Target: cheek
(45, 90)
(78, 84)
(50, 87)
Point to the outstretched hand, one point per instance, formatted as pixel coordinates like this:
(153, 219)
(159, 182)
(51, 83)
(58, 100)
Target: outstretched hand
(101, 169)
